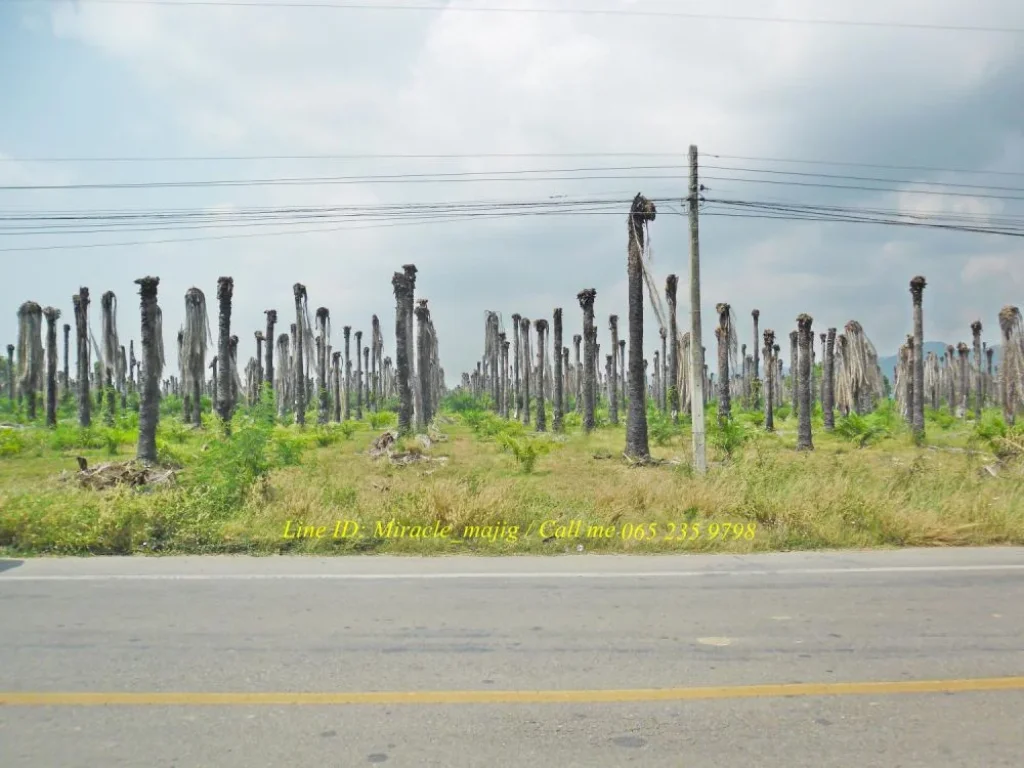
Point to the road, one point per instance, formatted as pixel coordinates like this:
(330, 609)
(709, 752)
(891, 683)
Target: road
(576, 661)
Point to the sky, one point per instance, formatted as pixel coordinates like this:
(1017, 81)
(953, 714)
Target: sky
(622, 96)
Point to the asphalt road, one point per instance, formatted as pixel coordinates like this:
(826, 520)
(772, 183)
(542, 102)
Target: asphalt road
(588, 661)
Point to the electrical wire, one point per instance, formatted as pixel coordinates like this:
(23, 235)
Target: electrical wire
(621, 13)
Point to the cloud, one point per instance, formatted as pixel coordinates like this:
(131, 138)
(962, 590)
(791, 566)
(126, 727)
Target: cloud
(234, 81)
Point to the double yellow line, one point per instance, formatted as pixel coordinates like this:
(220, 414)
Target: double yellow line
(47, 699)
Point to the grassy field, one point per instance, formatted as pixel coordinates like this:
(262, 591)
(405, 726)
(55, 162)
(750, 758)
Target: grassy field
(490, 487)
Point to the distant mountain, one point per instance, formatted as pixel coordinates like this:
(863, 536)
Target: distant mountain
(938, 347)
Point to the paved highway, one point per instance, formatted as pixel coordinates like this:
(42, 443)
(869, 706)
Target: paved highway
(909, 659)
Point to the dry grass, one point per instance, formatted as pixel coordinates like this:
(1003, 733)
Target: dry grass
(839, 496)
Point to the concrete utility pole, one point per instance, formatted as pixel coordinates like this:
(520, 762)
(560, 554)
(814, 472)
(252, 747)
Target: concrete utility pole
(700, 461)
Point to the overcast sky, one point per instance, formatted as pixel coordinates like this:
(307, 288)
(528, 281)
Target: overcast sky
(107, 80)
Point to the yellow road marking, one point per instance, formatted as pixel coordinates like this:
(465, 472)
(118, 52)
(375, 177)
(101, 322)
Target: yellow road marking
(25, 699)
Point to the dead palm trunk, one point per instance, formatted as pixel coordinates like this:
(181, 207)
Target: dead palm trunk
(723, 334)
(978, 386)
(299, 294)
(111, 351)
(152, 367)
(524, 327)
(424, 367)
(31, 360)
(517, 395)
(917, 286)
(671, 289)
(663, 394)
(323, 329)
(641, 212)
(268, 372)
(577, 339)
(403, 289)
(410, 272)
(51, 315)
(769, 380)
(376, 344)
(962, 350)
(803, 383)
(793, 362)
(558, 379)
(81, 305)
(828, 389)
(951, 377)
(10, 373)
(622, 375)
(613, 404)
(67, 370)
(504, 375)
(586, 298)
(989, 378)
(1011, 366)
(347, 331)
(359, 375)
(225, 289)
(756, 315)
(541, 327)
(336, 373)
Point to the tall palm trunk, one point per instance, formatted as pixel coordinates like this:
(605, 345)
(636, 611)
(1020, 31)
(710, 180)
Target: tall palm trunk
(917, 286)
(989, 378)
(671, 289)
(268, 371)
(557, 379)
(503, 372)
(51, 315)
(793, 362)
(423, 351)
(541, 327)
(622, 374)
(10, 373)
(951, 377)
(641, 212)
(81, 306)
(417, 416)
(225, 290)
(517, 395)
(299, 294)
(769, 380)
(67, 370)
(663, 394)
(723, 334)
(375, 362)
(803, 383)
(152, 367)
(31, 356)
(524, 328)
(403, 289)
(1010, 373)
(358, 384)
(613, 404)
(336, 373)
(979, 389)
(588, 387)
(756, 315)
(962, 351)
(577, 339)
(828, 367)
(347, 331)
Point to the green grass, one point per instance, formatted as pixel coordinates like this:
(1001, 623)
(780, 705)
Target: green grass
(865, 485)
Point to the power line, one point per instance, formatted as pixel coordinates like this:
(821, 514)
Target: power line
(861, 178)
(635, 13)
(742, 209)
(926, 168)
(441, 176)
(488, 155)
(860, 188)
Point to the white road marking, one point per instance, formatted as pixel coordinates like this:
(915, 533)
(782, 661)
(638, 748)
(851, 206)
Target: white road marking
(8, 576)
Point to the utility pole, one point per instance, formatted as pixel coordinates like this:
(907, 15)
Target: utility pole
(700, 462)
